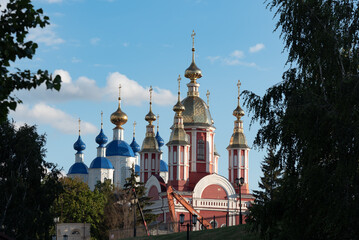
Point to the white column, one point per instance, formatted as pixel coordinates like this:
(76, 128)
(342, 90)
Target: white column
(178, 162)
(194, 149)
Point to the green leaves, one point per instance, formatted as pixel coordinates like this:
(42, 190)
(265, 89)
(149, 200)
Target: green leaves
(17, 18)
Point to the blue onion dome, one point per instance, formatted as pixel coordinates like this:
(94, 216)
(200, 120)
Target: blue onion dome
(101, 162)
(119, 148)
(78, 168)
(79, 145)
(137, 169)
(101, 139)
(134, 145)
(163, 166)
(160, 140)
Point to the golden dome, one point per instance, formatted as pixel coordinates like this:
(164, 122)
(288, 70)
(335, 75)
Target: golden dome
(119, 118)
(196, 112)
(178, 108)
(238, 112)
(178, 137)
(150, 117)
(193, 72)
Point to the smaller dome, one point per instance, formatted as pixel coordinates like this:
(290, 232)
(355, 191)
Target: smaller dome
(101, 162)
(101, 139)
(238, 140)
(178, 108)
(150, 144)
(193, 72)
(238, 112)
(135, 147)
(150, 117)
(119, 148)
(78, 168)
(137, 169)
(163, 166)
(119, 118)
(160, 140)
(79, 145)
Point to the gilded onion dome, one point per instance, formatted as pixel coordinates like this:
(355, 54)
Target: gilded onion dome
(150, 143)
(193, 72)
(119, 118)
(178, 134)
(196, 110)
(238, 139)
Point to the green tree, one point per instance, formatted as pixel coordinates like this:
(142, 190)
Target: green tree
(18, 17)
(266, 207)
(29, 185)
(132, 183)
(78, 204)
(312, 118)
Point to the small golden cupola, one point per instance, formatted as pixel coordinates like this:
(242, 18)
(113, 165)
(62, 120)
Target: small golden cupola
(238, 139)
(150, 143)
(119, 118)
(178, 134)
(193, 72)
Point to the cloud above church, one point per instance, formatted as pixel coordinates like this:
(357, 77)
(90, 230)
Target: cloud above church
(256, 48)
(85, 88)
(42, 113)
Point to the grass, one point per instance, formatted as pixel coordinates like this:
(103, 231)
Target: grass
(235, 232)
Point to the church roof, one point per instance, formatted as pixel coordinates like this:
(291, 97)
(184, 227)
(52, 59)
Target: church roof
(196, 112)
(78, 168)
(119, 148)
(101, 139)
(134, 145)
(159, 140)
(101, 162)
(163, 166)
(79, 145)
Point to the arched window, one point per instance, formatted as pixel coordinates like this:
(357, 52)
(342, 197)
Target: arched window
(200, 149)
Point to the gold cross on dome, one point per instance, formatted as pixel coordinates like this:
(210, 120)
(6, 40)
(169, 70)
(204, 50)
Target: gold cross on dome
(207, 94)
(119, 91)
(158, 122)
(134, 128)
(79, 126)
(151, 89)
(179, 83)
(239, 89)
(192, 35)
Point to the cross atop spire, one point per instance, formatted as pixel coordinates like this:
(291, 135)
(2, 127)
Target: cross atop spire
(101, 120)
(79, 126)
(158, 122)
(207, 94)
(134, 128)
(150, 90)
(239, 89)
(193, 35)
(179, 87)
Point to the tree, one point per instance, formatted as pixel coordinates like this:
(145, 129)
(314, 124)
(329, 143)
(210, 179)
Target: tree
(266, 207)
(78, 204)
(17, 19)
(144, 201)
(311, 118)
(29, 185)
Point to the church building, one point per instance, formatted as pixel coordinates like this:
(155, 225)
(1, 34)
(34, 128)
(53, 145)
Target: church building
(192, 169)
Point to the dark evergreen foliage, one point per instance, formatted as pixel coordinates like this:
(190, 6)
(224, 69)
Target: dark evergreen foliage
(29, 185)
(312, 119)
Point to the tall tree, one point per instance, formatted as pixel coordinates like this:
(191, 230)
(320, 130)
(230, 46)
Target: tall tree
(78, 204)
(144, 201)
(266, 207)
(29, 185)
(17, 18)
(312, 118)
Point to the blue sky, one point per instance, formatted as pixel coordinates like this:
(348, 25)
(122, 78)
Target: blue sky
(97, 44)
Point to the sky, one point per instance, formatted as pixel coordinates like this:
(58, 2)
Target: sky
(97, 45)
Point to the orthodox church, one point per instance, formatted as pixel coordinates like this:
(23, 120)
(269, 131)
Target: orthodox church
(192, 168)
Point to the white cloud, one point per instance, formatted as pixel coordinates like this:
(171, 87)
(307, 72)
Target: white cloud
(86, 89)
(237, 54)
(45, 35)
(256, 48)
(53, 1)
(45, 114)
(3, 4)
(95, 41)
(133, 93)
(213, 59)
